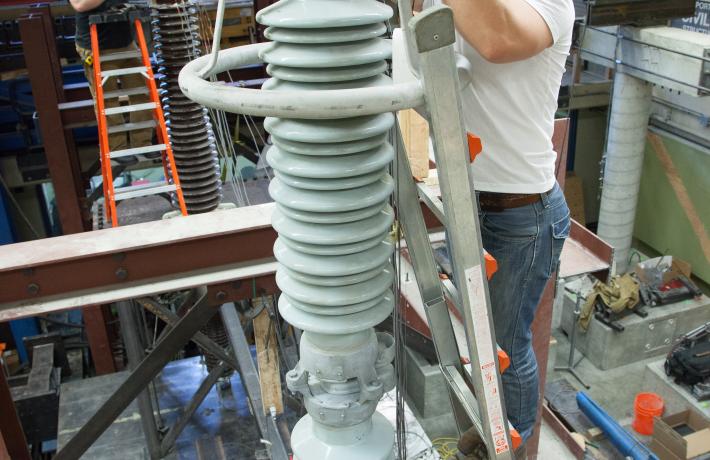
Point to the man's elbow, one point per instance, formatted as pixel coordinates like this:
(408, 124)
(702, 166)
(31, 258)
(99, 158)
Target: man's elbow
(80, 6)
(496, 53)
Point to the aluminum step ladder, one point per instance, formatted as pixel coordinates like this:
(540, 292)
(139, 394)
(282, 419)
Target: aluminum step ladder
(476, 396)
(171, 181)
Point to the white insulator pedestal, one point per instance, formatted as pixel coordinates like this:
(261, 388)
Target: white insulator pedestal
(628, 125)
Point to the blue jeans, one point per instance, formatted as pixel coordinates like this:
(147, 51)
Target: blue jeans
(527, 243)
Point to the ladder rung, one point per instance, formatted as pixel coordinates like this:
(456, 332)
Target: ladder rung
(73, 105)
(452, 293)
(130, 108)
(463, 393)
(131, 126)
(125, 92)
(125, 71)
(120, 55)
(431, 201)
(137, 151)
(135, 191)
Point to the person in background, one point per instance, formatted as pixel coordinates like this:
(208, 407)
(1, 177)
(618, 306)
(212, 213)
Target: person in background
(518, 50)
(114, 37)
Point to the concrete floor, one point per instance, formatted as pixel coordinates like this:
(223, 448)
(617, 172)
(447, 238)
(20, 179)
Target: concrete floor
(613, 389)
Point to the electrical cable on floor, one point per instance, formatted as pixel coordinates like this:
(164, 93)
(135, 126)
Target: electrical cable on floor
(446, 447)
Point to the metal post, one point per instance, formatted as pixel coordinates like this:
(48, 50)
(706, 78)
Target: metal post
(10, 426)
(99, 340)
(571, 365)
(42, 61)
(434, 35)
(250, 379)
(146, 371)
(135, 351)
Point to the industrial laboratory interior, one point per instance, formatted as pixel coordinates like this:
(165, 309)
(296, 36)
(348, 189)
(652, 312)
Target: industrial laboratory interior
(355, 229)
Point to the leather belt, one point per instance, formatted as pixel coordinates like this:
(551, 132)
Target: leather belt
(497, 202)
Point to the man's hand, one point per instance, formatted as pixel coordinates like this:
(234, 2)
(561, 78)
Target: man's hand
(82, 6)
(417, 5)
(501, 30)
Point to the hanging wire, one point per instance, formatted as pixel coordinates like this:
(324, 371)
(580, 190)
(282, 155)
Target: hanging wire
(222, 137)
(398, 323)
(221, 126)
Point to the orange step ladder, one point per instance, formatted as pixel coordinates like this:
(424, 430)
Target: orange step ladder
(171, 182)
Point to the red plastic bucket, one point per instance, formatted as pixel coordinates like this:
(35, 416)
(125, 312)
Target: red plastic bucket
(646, 406)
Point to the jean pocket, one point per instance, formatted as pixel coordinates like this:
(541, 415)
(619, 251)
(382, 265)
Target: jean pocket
(517, 225)
(561, 228)
(560, 232)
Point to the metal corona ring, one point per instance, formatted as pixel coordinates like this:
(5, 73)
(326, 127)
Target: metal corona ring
(330, 157)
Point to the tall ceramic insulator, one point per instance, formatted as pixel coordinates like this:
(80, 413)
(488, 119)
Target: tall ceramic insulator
(332, 190)
(176, 42)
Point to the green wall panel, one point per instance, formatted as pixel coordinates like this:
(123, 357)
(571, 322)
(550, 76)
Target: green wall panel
(660, 221)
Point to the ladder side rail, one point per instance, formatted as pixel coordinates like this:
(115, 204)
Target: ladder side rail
(104, 148)
(411, 219)
(161, 129)
(435, 36)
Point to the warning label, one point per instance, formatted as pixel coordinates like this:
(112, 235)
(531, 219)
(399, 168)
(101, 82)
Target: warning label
(486, 354)
(698, 23)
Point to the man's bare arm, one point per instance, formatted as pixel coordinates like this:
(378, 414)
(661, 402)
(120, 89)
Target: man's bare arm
(83, 6)
(501, 30)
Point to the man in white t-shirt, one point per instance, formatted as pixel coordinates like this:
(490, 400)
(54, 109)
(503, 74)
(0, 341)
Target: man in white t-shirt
(517, 50)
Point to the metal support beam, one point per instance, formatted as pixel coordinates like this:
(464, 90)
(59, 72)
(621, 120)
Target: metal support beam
(171, 319)
(250, 379)
(671, 58)
(99, 339)
(135, 350)
(42, 60)
(146, 371)
(125, 257)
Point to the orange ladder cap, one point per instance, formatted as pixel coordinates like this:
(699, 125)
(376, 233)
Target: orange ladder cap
(475, 146)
